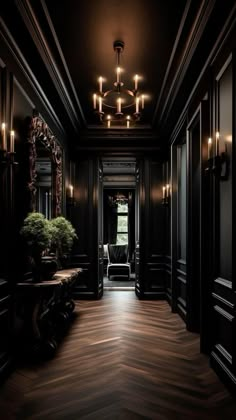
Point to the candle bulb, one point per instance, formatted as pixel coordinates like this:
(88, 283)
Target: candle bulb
(119, 105)
(100, 104)
(128, 121)
(94, 101)
(137, 105)
(71, 191)
(209, 147)
(118, 75)
(136, 82)
(100, 83)
(108, 121)
(142, 101)
(217, 142)
(4, 141)
(12, 141)
(163, 192)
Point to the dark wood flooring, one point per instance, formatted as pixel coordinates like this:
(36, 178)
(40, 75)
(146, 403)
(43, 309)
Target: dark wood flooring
(122, 359)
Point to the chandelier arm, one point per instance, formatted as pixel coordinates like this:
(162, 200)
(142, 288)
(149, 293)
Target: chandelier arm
(108, 92)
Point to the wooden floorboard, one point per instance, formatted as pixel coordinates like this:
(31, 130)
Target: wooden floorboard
(122, 359)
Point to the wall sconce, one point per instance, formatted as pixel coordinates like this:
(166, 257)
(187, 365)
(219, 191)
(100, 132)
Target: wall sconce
(7, 157)
(165, 194)
(71, 199)
(220, 161)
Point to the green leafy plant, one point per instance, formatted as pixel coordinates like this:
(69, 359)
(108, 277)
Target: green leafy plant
(37, 232)
(63, 235)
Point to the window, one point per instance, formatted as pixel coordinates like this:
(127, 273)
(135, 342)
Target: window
(122, 224)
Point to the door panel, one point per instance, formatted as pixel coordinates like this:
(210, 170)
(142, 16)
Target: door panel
(100, 230)
(181, 263)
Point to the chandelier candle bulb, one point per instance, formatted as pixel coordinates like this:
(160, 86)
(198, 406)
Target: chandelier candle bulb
(209, 147)
(100, 83)
(217, 143)
(137, 105)
(94, 101)
(108, 121)
(100, 104)
(136, 82)
(142, 101)
(12, 141)
(119, 105)
(4, 141)
(118, 74)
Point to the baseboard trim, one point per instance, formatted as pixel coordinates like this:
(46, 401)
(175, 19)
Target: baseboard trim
(225, 375)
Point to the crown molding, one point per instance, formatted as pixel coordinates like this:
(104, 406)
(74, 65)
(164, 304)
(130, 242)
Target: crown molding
(37, 34)
(16, 62)
(171, 60)
(126, 134)
(217, 48)
(164, 106)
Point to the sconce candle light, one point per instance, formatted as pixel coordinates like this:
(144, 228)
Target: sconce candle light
(4, 141)
(219, 161)
(71, 191)
(217, 143)
(165, 194)
(209, 147)
(70, 196)
(7, 156)
(12, 141)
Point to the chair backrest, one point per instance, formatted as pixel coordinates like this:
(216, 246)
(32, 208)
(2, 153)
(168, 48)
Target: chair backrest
(117, 253)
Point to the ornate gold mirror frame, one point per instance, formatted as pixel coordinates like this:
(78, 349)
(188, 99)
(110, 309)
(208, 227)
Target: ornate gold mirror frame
(38, 131)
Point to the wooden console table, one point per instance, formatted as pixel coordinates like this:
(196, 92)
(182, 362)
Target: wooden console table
(46, 308)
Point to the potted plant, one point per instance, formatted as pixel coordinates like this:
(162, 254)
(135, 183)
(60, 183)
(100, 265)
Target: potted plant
(63, 237)
(37, 232)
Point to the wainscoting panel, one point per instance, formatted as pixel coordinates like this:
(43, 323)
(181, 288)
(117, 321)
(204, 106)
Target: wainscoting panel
(223, 354)
(84, 218)
(181, 280)
(5, 324)
(153, 232)
(168, 279)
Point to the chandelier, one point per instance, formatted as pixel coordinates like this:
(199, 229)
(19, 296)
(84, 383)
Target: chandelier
(120, 198)
(123, 105)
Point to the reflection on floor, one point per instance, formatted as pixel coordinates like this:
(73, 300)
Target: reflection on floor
(119, 283)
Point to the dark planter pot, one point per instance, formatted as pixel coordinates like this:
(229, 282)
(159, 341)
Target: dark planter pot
(48, 267)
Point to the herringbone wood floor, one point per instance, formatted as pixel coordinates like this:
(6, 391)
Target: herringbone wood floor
(121, 359)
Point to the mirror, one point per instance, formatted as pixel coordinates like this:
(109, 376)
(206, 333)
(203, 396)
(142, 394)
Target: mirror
(43, 183)
(44, 180)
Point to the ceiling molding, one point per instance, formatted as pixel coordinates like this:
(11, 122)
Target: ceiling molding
(34, 28)
(125, 134)
(119, 150)
(177, 40)
(180, 129)
(195, 35)
(218, 46)
(23, 67)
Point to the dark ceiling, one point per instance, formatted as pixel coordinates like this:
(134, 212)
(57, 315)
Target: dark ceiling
(66, 45)
(86, 31)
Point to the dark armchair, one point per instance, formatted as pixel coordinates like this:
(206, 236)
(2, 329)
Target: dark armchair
(118, 264)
